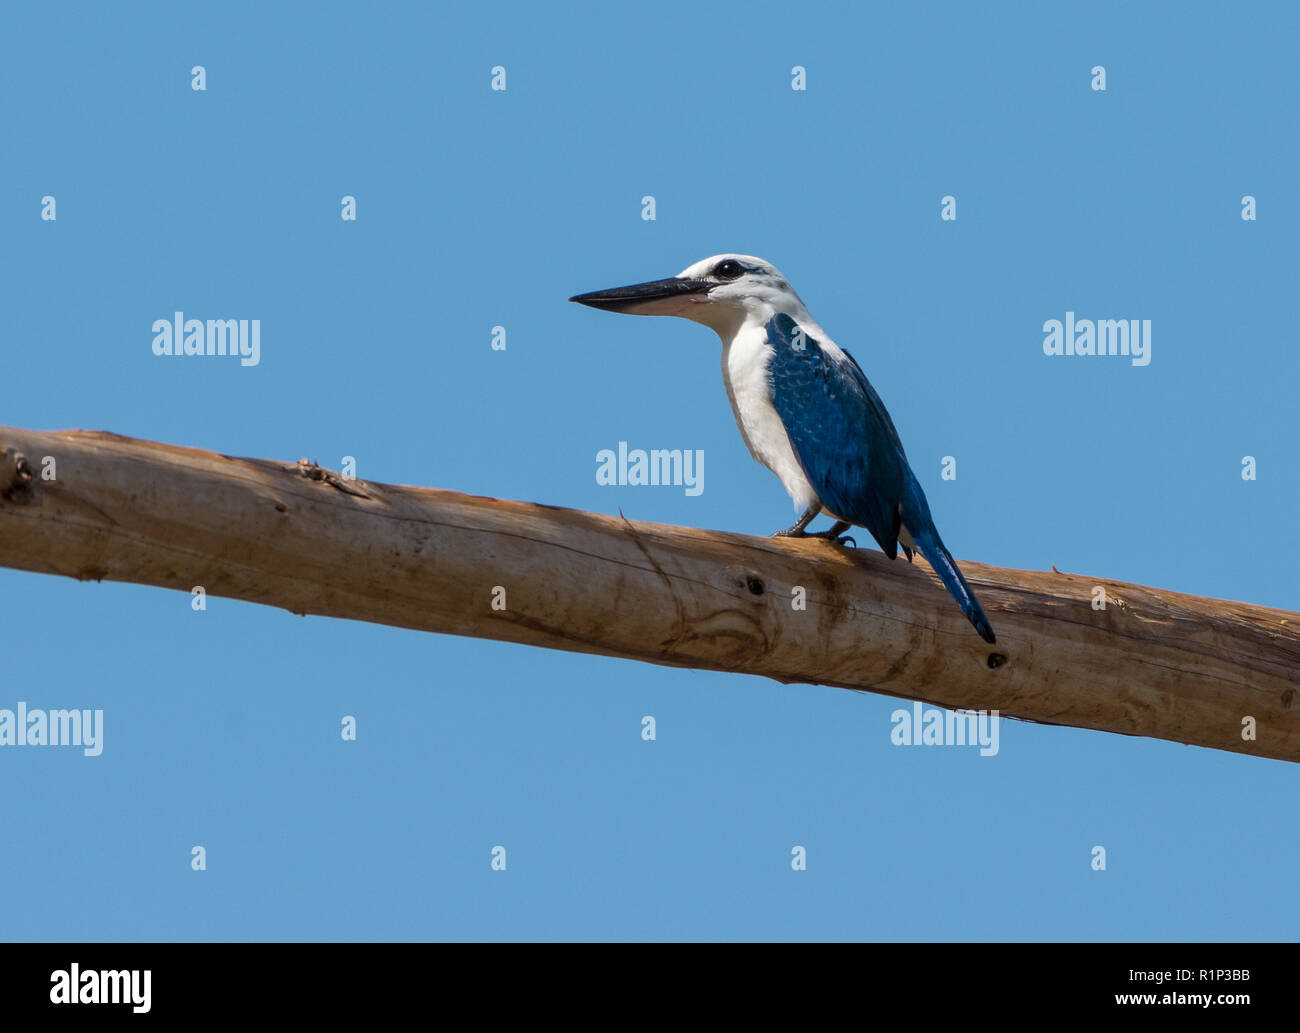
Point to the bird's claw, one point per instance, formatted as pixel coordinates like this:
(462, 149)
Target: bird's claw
(838, 539)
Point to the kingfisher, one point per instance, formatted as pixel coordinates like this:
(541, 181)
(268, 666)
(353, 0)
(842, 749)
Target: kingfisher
(805, 409)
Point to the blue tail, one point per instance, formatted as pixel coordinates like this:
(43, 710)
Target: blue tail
(929, 545)
(916, 516)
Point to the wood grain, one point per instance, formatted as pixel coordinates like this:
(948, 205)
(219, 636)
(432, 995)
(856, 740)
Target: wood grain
(294, 535)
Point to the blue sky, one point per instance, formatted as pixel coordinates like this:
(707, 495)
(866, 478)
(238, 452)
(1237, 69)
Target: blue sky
(478, 208)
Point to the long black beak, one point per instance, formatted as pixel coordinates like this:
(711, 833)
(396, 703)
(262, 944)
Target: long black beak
(620, 299)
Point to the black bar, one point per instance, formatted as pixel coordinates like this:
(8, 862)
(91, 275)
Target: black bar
(336, 982)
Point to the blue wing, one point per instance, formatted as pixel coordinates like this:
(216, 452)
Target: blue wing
(840, 432)
(851, 454)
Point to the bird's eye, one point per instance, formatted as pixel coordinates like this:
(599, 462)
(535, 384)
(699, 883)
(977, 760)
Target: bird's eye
(728, 270)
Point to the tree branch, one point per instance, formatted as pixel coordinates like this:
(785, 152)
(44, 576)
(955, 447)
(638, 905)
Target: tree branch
(297, 536)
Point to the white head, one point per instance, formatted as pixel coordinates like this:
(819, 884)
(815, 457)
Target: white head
(722, 292)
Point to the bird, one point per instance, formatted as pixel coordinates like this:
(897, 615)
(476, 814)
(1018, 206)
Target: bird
(805, 409)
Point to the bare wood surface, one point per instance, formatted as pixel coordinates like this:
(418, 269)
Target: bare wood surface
(1153, 663)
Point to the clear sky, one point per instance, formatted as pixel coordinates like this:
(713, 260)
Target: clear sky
(477, 208)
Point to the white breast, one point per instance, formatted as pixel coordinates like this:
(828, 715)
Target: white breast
(744, 372)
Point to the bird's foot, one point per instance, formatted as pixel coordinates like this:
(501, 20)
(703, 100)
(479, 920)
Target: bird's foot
(835, 534)
(836, 537)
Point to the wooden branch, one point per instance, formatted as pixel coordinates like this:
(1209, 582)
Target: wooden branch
(297, 536)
